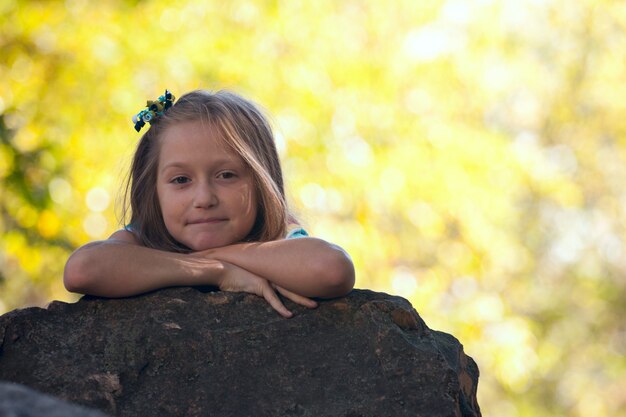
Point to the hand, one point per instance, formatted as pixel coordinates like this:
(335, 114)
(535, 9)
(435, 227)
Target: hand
(236, 279)
(296, 298)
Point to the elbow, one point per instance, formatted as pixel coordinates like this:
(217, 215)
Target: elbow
(75, 274)
(339, 274)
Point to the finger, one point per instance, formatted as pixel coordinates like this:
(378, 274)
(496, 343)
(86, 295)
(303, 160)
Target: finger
(271, 297)
(296, 298)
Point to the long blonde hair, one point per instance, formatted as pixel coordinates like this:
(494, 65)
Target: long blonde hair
(244, 129)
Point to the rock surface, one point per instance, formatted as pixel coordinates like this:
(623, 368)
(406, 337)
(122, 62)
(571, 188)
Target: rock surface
(187, 352)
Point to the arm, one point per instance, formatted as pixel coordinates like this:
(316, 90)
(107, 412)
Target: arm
(307, 266)
(121, 267)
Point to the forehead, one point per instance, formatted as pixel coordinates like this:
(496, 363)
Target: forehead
(194, 140)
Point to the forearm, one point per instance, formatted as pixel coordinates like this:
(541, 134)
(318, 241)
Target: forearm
(307, 266)
(120, 269)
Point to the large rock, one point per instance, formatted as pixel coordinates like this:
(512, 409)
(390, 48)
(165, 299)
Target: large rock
(186, 352)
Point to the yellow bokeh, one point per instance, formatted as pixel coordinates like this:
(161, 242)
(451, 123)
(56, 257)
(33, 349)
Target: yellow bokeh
(48, 224)
(469, 156)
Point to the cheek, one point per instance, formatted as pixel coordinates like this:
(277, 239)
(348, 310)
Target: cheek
(167, 204)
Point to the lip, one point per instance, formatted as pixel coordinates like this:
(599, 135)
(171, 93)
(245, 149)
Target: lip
(210, 220)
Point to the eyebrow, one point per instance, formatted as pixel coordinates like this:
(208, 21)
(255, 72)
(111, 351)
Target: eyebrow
(177, 164)
(173, 165)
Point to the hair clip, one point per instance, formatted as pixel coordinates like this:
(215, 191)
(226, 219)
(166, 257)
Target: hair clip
(155, 108)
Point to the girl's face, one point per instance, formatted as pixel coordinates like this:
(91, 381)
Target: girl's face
(205, 190)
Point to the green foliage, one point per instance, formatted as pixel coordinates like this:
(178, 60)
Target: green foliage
(469, 156)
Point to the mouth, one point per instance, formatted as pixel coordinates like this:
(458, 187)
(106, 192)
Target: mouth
(211, 220)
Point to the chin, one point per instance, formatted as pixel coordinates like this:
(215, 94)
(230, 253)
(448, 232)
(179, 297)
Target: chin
(204, 246)
(209, 244)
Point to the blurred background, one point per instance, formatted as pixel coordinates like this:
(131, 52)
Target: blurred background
(470, 156)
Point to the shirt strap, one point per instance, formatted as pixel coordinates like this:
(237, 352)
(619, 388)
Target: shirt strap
(295, 232)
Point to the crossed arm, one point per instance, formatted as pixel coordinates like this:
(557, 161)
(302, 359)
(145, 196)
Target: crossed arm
(296, 268)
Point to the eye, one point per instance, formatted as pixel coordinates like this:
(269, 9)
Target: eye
(180, 180)
(226, 175)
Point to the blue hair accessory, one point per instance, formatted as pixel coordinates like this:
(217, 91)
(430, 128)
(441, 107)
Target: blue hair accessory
(155, 108)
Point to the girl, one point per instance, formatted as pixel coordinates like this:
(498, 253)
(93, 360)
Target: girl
(208, 208)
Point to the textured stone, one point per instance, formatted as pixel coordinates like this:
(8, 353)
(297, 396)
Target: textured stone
(188, 352)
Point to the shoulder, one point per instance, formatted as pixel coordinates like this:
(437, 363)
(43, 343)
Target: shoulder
(124, 235)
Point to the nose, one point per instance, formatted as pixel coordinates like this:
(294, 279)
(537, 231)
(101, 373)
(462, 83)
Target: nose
(205, 196)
